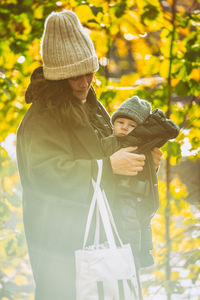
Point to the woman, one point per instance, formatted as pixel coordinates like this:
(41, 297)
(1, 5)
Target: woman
(58, 142)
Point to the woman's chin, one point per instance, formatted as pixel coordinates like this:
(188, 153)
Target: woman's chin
(81, 97)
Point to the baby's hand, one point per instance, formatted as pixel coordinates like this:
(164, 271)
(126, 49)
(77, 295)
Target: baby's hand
(157, 156)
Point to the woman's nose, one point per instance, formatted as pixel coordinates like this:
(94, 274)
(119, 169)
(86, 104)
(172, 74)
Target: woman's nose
(83, 81)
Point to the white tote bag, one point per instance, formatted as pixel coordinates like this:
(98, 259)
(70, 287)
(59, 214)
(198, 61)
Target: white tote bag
(104, 271)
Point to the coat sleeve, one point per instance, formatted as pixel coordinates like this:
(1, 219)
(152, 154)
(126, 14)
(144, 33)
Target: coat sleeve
(46, 164)
(110, 145)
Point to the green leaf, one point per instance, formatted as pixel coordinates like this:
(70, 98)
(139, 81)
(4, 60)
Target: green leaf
(193, 257)
(182, 88)
(4, 211)
(11, 248)
(96, 9)
(173, 149)
(107, 96)
(120, 9)
(151, 12)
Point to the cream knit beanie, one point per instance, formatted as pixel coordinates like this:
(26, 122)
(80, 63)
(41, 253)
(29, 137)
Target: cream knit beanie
(66, 49)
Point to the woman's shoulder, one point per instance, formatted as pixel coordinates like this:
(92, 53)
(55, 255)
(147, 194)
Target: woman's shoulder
(37, 119)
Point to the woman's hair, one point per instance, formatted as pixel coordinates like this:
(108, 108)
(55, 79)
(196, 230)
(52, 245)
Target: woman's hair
(56, 96)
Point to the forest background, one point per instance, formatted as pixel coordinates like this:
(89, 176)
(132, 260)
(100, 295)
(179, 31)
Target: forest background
(146, 47)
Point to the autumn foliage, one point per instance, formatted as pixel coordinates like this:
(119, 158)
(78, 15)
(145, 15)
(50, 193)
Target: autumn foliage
(148, 48)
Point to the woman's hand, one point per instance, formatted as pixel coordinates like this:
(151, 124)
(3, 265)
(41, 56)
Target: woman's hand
(124, 162)
(157, 156)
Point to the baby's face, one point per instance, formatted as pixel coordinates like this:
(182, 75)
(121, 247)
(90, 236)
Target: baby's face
(123, 126)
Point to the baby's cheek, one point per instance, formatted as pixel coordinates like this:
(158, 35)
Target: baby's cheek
(130, 129)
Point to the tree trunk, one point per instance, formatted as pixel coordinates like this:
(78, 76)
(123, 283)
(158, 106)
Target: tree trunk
(167, 207)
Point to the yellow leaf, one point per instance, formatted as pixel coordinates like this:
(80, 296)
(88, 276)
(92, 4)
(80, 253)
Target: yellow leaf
(134, 17)
(121, 47)
(72, 3)
(151, 65)
(130, 3)
(9, 58)
(8, 184)
(38, 12)
(129, 80)
(164, 68)
(34, 49)
(128, 27)
(170, 2)
(15, 177)
(97, 3)
(173, 160)
(20, 280)
(165, 40)
(159, 274)
(2, 248)
(84, 13)
(100, 42)
(195, 74)
(8, 270)
(174, 81)
(13, 2)
(23, 18)
(184, 31)
(33, 66)
(175, 275)
(114, 29)
(141, 51)
(178, 189)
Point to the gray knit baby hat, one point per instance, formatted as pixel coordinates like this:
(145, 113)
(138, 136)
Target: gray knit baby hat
(133, 108)
(66, 49)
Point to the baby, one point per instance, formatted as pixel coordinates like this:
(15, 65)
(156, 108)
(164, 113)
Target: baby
(136, 199)
(134, 193)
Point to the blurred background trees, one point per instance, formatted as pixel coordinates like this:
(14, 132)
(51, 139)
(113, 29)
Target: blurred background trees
(146, 47)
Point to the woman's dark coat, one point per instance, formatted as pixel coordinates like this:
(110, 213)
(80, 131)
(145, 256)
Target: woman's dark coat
(56, 165)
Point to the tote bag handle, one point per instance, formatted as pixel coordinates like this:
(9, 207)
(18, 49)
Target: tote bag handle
(92, 206)
(105, 211)
(102, 206)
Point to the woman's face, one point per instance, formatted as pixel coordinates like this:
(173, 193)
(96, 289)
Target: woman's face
(80, 85)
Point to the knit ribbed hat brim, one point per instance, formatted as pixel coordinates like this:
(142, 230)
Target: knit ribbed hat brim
(133, 108)
(89, 65)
